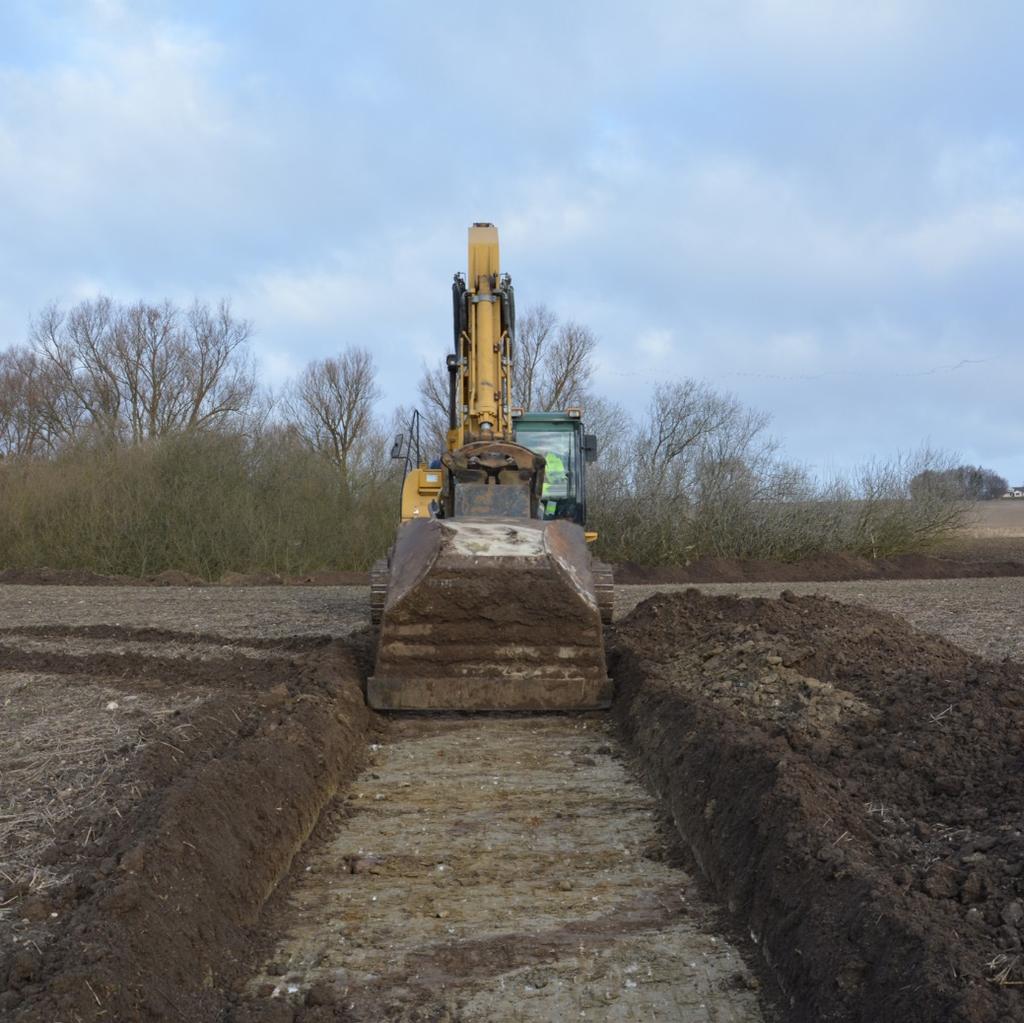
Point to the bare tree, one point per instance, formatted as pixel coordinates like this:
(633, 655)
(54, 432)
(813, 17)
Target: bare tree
(220, 381)
(28, 398)
(534, 331)
(554, 362)
(76, 346)
(553, 367)
(131, 373)
(568, 367)
(331, 404)
(433, 390)
(689, 425)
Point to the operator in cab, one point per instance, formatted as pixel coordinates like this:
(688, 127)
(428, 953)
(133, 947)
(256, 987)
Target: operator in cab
(555, 480)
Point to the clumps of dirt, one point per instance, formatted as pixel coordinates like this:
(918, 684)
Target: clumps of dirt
(852, 787)
(152, 918)
(824, 568)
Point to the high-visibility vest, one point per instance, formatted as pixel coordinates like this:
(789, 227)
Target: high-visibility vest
(553, 467)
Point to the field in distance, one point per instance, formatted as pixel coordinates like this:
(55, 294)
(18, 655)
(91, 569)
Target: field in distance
(995, 531)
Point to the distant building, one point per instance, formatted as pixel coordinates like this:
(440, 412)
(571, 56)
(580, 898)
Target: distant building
(1015, 492)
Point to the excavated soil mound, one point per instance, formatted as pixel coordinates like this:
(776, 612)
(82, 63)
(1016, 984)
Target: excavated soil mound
(852, 787)
(153, 920)
(825, 568)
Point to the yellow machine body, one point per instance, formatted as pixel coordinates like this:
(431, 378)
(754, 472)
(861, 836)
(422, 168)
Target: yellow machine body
(484, 348)
(420, 492)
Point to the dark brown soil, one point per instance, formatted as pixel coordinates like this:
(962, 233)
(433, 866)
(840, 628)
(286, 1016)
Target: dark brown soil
(61, 577)
(826, 568)
(170, 577)
(154, 920)
(852, 788)
(968, 562)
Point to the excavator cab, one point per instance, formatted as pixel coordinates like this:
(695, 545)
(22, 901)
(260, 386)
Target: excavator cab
(559, 439)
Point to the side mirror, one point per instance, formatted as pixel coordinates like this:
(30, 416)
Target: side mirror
(590, 447)
(396, 449)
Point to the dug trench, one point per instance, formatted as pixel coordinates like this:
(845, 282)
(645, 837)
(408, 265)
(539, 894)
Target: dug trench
(474, 864)
(850, 788)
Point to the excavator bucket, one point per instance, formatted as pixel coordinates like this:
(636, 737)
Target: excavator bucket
(489, 614)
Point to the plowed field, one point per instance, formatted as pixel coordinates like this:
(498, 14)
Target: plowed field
(199, 820)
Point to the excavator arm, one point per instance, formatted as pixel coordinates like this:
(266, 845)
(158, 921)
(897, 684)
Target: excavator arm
(481, 365)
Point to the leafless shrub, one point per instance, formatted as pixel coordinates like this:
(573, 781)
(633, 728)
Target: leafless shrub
(194, 473)
(700, 476)
(889, 518)
(204, 503)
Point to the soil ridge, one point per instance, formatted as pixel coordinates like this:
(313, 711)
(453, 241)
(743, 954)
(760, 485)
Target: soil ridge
(851, 787)
(155, 918)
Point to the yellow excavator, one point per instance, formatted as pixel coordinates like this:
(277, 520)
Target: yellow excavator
(489, 599)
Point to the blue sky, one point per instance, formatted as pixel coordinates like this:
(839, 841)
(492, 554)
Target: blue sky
(818, 206)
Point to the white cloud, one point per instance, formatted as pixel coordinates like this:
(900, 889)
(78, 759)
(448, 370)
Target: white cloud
(656, 344)
(318, 297)
(974, 234)
(130, 124)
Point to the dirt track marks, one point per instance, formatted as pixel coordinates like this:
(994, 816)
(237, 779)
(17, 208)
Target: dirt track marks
(246, 612)
(504, 869)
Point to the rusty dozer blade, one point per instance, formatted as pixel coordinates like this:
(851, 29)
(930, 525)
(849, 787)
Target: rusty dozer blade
(490, 615)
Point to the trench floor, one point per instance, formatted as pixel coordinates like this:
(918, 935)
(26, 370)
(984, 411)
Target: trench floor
(503, 869)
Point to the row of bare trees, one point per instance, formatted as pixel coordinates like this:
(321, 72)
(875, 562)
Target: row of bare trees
(130, 374)
(136, 438)
(698, 474)
(167, 398)
(124, 373)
